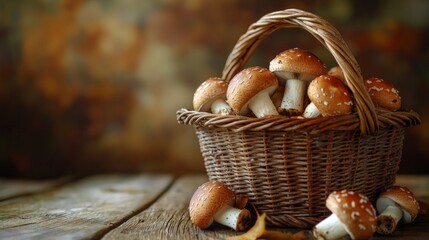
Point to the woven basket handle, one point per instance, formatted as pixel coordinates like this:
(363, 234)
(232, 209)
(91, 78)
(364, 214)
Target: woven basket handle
(325, 33)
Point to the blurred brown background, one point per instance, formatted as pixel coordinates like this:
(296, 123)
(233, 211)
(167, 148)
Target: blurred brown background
(93, 86)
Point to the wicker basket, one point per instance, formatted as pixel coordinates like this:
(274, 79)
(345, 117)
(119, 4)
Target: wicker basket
(288, 166)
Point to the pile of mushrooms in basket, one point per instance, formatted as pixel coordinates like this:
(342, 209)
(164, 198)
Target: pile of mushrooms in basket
(297, 84)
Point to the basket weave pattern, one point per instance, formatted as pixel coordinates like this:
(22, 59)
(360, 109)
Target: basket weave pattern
(288, 166)
(289, 176)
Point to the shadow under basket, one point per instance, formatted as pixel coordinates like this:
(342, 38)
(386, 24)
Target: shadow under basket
(289, 165)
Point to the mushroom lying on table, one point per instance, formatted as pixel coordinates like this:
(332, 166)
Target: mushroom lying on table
(395, 204)
(210, 97)
(329, 97)
(214, 201)
(294, 68)
(352, 214)
(251, 89)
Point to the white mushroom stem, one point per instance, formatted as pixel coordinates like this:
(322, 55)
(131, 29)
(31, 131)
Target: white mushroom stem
(311, 111)
(293, 98)
(261, 105)
(388, 219)
(237, 219)
(330, 228)
(219, 106)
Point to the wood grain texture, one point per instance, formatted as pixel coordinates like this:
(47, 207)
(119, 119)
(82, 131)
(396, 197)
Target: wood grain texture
(10, 188)
(86, 209)
(110, 207)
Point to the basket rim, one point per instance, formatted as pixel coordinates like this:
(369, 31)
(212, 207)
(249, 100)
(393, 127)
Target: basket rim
(350, 122)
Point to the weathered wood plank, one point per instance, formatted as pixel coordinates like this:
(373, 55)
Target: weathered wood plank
(86, 209)
(168, 218)
(10, 188)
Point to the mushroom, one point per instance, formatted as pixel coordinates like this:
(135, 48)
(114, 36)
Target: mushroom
(277, 96)
(329, 97)
(294, 68)
(251, 89)
(352, 214)
(394, 204)
(210, 96)
(214, 201)
(337, 72)
(383, 94)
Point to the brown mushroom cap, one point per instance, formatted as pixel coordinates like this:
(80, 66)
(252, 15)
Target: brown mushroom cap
(302, 63)
(330, 96)
(383, 94)
(206, 202)
(248, 83)
(405, 199)
(355, 211)
(210, 90)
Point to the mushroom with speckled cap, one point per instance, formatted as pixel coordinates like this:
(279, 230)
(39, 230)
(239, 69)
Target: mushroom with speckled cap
(294, 68)
(210, 96)
(329, 97)
(352, 214)
(251, 89)
(395, 204)
(383, 94)
(214, 201)
(337, 72)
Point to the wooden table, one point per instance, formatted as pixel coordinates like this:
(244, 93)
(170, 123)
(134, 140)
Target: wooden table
(129, 207)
